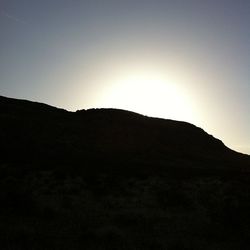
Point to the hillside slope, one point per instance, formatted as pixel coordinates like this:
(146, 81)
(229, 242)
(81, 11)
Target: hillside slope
(34, 132)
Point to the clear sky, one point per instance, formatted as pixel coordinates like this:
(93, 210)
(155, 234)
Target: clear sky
(178, 59)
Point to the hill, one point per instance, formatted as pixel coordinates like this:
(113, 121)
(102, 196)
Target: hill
(36, 132)
(114, 179)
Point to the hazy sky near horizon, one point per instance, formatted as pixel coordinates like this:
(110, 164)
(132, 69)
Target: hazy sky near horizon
(178, 59)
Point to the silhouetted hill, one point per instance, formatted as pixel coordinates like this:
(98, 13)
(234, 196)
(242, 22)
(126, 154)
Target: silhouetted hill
(38, 132)
(114, 179)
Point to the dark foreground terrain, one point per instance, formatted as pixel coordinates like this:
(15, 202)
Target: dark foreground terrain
(113, 179)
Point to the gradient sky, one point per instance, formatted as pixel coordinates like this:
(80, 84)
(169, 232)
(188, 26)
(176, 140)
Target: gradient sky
(185, 60)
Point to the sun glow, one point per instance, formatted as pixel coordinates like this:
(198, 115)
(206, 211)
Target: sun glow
(149, 93)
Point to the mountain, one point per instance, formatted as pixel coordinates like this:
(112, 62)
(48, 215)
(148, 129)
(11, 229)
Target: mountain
(38, 132)
(114, 179)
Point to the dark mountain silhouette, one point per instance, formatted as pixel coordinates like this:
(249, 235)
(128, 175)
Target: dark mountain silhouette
(114, 179)
(33, 131)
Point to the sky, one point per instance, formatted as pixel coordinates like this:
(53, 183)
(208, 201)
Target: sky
(185, 60)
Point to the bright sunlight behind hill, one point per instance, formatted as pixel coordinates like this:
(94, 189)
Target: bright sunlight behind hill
(150, 93)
